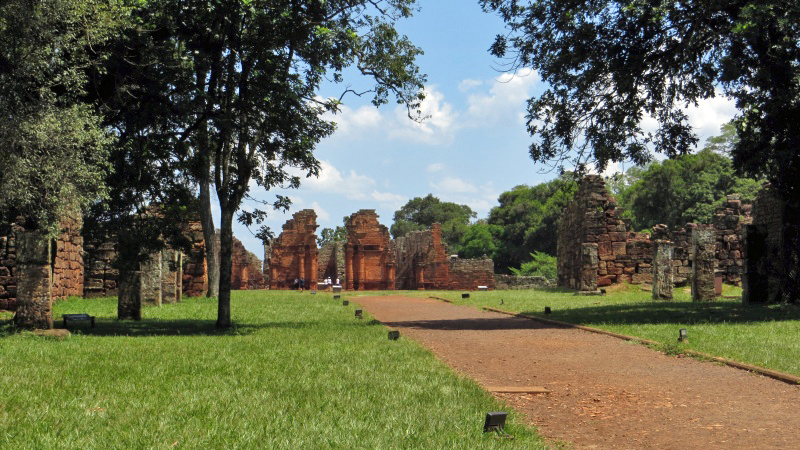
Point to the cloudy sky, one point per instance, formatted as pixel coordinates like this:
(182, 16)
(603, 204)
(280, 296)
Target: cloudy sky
(472, 148)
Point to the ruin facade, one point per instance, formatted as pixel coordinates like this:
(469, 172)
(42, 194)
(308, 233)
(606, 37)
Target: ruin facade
(369, 253)
(625, 256)
(294, 253)
(331, 261)
(246, 269)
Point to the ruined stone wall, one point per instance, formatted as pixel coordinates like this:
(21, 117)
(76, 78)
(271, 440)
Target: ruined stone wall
(67, 266)
(625, 256)
(246, 269)
(468, 274)
(369, 253)
(593, 217)
(195, 266)
(8, 281)
(521, 282)
(764, 240)
(331, 261)
(101, 278)
(422, 261)
(294, 252)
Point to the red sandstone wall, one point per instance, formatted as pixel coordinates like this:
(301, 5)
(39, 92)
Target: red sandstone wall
(246, 271)
(294, 252)
(68, 270)
(195, 267)
(8, 282)
(369, 253)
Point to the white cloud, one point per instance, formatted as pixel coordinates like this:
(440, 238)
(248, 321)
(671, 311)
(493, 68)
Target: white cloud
(321, 213)
(468, 84)
(454, 185)
(505, 100)
(352, 185)
(438, 127)
(435, 167)
(388, 200)
(356, 121)
(709, 115)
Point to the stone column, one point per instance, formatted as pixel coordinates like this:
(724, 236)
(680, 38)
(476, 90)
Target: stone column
(150, 280)
(129, 304)
(662, 270)
(704, 243)
(34, 299)
(348, 267)
(362, 272)
(589, 263)
(392, 278)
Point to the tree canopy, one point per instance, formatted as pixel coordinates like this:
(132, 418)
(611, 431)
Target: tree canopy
(422, 212)
(686, 189)
(528, 217)
(230, 90)
(610, 64)
(52, 143)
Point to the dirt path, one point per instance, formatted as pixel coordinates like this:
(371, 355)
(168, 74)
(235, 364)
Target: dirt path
(605, 392)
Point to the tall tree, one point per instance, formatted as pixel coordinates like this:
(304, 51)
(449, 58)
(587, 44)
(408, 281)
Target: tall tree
(528, 219)
(611, 63)
(52, 144)
(422, 212)
(239, 81)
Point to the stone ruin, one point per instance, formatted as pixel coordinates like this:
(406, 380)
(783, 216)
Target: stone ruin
(77, 265)
(423, 263)
(370, 260)
(293, 255)
(65, 263)
(773, 254)
(596, 247)
(369, 254)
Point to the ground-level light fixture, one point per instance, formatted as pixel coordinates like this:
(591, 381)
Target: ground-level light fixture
(465, 295)
(313, 292)
(495, 421)
(359, 314)
(547, 310)
(336, 296)
(682, 335)
(394, 335)
(345, 302)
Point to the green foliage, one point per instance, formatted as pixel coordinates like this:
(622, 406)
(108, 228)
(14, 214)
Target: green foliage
(422, 212)
(53, 146)
(295, 371)
(541, 264)
(479, 240)
(685, 189)
(330, 235)
(609, 64)
(528, 217)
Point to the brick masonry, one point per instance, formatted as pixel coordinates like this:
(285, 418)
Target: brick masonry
(293, 255)
(624, 256)
(521, 282)
(369, 253)
(331, 261)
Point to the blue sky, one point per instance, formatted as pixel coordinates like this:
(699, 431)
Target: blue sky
(472, 148)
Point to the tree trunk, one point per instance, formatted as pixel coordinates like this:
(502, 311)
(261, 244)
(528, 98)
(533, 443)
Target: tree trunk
(209, 233)
(226, 260)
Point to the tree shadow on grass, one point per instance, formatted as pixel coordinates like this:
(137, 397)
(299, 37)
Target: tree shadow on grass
(162, 327)
(675, 312)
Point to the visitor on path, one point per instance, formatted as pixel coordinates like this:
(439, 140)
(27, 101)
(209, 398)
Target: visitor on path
(296, 284)
(302, 283)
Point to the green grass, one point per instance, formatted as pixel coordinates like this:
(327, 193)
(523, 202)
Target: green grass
(764, 335)
(297, 371)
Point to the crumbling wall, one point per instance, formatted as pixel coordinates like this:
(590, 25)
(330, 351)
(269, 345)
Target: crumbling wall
(521, 282)
(294, 252)
(8, 280)
(246, 269)
(67, 266)
(331, 261)
(765, 242)
(593, 217)
(369, 253)
(625, 256)
(468, 274)
(422, 261)
(101, 278)
(195, 266)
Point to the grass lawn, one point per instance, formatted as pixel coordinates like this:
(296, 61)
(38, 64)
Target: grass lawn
(764, 335)
(297, 371)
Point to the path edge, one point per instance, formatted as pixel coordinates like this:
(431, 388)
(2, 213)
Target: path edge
(780, 376)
